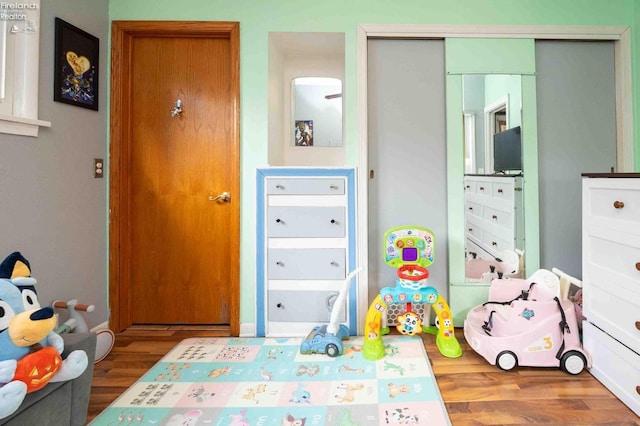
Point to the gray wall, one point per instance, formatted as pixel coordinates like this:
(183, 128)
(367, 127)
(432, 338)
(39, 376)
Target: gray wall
(406, 109)
(576, 134)
(53, 210)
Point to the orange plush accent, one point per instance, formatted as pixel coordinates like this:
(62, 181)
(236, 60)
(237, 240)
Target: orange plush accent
(37, 368)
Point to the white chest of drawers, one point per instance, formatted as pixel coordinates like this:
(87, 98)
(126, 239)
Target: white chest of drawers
(305, 248)
(493, 214)
(611, 281)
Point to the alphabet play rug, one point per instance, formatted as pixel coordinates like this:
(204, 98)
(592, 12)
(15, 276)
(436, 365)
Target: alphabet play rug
(266, 381)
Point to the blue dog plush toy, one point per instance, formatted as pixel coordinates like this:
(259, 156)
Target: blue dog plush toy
(30, 352)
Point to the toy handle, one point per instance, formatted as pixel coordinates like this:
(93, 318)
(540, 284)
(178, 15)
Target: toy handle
(565, 281)
(73, 304)
(337, 305)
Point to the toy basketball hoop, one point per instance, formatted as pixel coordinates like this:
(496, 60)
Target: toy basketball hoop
(412, 276)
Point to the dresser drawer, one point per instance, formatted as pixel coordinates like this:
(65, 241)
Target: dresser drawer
(608, 202)
(474, 231)
(499, 217)
(307, 264)
(612, 260)
(614, 365)
(300, 222)
(305, 186)
(470, 186)
(616, 312)
(503, 190)
(304, 306)
(496, 242)
(483, 187)
(473, 208)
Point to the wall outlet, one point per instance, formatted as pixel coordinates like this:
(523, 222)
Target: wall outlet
(98, 168)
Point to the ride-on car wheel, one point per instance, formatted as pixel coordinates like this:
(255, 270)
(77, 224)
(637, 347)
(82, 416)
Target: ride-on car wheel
(506, 360)
(572, 362)
(332, 350)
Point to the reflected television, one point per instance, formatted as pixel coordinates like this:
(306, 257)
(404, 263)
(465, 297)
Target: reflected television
(507, 150)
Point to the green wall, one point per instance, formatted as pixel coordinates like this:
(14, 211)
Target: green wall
(258, 17)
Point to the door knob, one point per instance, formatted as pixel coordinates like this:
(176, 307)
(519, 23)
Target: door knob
(225, 196)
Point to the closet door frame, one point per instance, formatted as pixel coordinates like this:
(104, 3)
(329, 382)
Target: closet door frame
(620, 35)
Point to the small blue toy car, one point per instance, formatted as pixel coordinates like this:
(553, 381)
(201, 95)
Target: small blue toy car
(320, 341)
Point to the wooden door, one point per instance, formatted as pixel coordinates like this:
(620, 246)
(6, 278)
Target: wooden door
(174, 247)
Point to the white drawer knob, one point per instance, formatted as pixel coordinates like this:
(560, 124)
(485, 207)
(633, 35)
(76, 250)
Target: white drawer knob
(618, 204)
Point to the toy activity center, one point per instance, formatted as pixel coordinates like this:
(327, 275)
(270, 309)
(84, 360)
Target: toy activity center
(410, 250)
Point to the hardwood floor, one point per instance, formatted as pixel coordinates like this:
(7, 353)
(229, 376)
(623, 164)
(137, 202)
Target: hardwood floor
(474, 392)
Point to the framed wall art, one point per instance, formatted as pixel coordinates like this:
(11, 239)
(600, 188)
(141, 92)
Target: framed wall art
(76, 66)
(303, 133)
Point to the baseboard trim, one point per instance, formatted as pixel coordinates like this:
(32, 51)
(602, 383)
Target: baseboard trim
(247, 330)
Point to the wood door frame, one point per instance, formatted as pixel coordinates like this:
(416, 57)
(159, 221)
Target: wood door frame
(122, 35)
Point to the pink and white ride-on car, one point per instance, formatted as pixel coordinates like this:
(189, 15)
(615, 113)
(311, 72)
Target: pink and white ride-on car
(528, 323)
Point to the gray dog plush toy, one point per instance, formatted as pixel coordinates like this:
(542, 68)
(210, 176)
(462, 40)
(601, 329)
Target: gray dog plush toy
(30, 352)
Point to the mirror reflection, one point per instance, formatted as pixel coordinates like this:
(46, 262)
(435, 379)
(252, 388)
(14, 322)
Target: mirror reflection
(494, 213)
(317, 111)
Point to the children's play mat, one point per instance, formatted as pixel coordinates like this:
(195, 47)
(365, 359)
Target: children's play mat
(266, 381)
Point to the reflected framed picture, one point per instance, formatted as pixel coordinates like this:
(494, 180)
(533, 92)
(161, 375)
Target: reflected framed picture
(75, 66)
(304, 133)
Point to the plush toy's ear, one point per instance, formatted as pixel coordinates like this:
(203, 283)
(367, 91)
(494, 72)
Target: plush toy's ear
(15, 265)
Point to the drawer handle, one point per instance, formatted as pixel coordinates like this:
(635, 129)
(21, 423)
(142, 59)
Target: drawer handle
(279, 263)
(333, 221)
(279, 220)
(279, 306)
(638, 325)
(500, 191)
(333, 186)
(470, 208)
(494, 217)
(278, 186)
(493, 243)
(618, 204)
(334, 263)
(482, 188)
(468, 186)
(470, 229)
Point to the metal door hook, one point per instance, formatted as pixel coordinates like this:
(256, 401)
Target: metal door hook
(177, 108)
